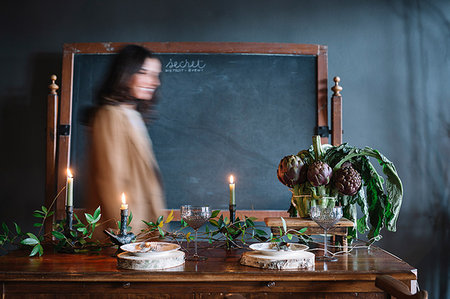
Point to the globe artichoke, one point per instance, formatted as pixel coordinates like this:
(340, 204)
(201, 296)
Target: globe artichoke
(319, 173)
(290, 171)
(380, 200)
(347, 180)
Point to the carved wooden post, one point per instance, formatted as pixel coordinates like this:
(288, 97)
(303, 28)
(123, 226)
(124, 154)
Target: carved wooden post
(52, 117)
(336, 113)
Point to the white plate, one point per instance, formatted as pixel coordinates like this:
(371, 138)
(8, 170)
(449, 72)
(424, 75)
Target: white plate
(149, 248)
(271, 248)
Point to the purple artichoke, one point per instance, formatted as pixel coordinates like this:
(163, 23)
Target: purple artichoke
(347, 180)
(319, 173)
(290, 171)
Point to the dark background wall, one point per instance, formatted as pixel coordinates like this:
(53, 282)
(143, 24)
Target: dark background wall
(392, 57)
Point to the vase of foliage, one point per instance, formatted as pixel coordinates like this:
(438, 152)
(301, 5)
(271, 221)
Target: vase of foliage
(344, 175)
(302, 204)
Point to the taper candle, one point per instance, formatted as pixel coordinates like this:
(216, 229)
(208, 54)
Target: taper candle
(232, 191)
(123, 216)
(69, 189)
(124, 205)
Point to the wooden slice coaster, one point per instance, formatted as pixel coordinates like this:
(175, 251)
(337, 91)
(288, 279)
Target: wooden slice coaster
(292, 260)
(126, 260)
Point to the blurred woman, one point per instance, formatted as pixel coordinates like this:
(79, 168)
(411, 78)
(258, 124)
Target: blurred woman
(121, 154)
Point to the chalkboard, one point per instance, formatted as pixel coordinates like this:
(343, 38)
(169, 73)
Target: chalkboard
(222, 110)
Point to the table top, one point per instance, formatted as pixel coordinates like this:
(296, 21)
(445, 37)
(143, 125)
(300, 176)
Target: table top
(222, 265)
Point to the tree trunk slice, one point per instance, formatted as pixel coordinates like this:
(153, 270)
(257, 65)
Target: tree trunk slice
(172, 259)
(294, 260)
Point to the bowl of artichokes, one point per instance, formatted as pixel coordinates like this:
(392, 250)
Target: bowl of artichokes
(344, 175)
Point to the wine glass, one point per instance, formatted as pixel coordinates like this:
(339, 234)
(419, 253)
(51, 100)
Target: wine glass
(326, 217)
(195, 217)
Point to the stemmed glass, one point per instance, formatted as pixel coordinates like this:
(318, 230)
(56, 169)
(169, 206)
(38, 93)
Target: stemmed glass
(195, 217)
(326, 217)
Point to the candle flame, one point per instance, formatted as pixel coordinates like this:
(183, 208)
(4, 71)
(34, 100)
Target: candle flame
(231, 179)
(123, 198)
(69, 173)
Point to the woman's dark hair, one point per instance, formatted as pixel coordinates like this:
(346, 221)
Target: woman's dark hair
(115, 89)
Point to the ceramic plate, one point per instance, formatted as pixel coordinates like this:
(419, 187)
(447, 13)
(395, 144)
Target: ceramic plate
(271, 248)
(149, 248)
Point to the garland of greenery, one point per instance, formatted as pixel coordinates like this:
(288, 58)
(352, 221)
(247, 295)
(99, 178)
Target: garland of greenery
(219, 229)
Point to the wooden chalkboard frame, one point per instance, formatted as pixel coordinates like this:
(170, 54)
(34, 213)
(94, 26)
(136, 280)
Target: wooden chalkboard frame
(56, 168)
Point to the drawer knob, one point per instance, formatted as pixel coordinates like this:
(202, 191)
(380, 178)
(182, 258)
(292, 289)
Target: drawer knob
(271, 284)
(126, 285)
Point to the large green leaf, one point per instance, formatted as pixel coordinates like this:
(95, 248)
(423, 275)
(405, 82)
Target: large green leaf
(29, 241)
(363, 222)
(97, 212)
(18, 230)
(58, 235)
(349, 212)
(381, 205)
(35, 250)
(215, 213)
(394, 189)
(5, 228)
(38, 215)
(260, 232)
(375, 200)
(214, 222)
(284, 225)
(89, 218)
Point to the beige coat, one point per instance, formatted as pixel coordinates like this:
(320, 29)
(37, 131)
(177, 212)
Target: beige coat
(122, 160)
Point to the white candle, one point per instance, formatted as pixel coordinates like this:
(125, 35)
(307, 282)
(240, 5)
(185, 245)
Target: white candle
(69, 189)
(124, 205)
(232, 191)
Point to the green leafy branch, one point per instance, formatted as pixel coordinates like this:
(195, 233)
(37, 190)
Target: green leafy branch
(219, 229)
(80, 238)
(28, 239)
(243, 231)
(33, 240)
(9, 237)
(157, 230)
(77, 240)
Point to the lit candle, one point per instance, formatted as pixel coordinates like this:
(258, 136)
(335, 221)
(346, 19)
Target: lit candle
(123, 216)
(232, 191)
(69, 189)
(124, 205)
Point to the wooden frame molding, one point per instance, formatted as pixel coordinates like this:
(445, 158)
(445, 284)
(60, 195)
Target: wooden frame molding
(62, 159)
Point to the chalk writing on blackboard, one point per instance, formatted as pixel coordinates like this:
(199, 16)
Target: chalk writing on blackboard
(174, 66)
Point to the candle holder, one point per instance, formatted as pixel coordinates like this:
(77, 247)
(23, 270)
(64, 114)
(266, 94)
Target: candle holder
(68, 229)
(232, 213)
(123, 237)
(231, 245)
(123, 221)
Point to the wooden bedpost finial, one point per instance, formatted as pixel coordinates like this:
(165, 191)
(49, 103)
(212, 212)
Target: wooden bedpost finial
(53, 87)
(336, 88)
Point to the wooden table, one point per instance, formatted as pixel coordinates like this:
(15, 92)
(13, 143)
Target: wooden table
(97, 276)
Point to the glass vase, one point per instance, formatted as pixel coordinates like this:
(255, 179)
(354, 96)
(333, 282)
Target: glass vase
(302, 204)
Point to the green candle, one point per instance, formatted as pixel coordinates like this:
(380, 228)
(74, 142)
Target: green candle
(69, 189)
(232, 191)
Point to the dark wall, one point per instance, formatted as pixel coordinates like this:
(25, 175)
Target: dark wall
(392, 57)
